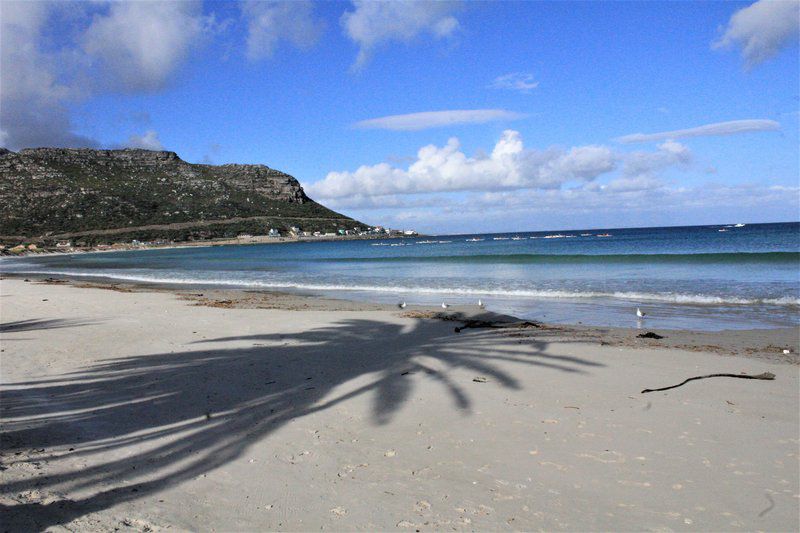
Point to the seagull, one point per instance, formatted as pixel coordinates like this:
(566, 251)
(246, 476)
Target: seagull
(445, 306)
(480, 304)
(402, 305)
(640, 314)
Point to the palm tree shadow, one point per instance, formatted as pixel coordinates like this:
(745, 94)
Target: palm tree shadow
(180, 415)
(39, 324)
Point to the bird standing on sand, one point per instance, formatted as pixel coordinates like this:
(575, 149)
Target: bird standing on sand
(480, 304)
(640, 314)
(445, 306)
(402, 305)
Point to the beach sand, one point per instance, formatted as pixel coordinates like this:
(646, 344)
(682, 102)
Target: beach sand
(221, 410)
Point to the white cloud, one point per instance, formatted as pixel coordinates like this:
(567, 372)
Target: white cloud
(436, 119)
(141, 44)
(270, 22)
(762, 29)
(633, 184)
(33, 96)
(631, 202)
(436, 169)
(373, 23)
(516, 81)
(718, 128)
(149, 141)
(645, 164)
(106, 46)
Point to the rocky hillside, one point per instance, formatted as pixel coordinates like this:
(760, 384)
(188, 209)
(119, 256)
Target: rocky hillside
(102, 196)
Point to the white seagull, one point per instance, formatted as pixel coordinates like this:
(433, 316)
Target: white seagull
(640, 314)
(402, 305)
(480, 304)
(445, 306)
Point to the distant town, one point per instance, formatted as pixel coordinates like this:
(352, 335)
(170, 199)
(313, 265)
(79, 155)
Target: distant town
(293, 234)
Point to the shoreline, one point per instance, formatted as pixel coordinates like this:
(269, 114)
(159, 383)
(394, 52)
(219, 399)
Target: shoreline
(761, 343)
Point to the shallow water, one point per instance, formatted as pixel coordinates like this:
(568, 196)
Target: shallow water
(685, 277)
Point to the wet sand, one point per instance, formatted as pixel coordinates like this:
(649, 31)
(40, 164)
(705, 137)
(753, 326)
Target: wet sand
(140, 409)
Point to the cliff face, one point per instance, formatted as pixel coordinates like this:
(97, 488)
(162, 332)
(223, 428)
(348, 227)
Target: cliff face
(54, 191)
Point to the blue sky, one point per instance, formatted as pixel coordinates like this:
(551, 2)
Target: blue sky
(521, 113)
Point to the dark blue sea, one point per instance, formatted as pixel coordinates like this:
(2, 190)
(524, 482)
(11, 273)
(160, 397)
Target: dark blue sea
(700, 277)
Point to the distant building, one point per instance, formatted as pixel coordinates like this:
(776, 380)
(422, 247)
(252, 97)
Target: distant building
(63, 244)
(274, 233)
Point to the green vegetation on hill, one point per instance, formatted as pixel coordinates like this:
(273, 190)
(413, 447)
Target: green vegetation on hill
(52, 193)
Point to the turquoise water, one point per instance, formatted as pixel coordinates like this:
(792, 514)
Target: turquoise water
(684, 277)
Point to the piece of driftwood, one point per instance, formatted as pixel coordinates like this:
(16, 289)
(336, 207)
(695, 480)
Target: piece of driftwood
(765, 375)
(499, 325)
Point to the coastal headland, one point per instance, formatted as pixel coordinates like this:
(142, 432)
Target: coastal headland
(130, 408)
(68, 199)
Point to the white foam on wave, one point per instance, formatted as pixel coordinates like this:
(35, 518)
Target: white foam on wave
(681, 299)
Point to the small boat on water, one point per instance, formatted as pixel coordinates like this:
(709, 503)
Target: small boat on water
(603, 235)
(474, 240)
(586, 234)
(500, 238)
(443, 242)
(517, 238)
(559, 236)
(739, 225)
(723, 229)
(427, 242)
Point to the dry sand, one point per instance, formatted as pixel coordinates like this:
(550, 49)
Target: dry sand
(144, 410)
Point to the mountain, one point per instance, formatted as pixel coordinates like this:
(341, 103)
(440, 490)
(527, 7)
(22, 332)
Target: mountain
(105, 196)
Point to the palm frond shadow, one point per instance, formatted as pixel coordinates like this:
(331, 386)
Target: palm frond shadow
(39, 324)
(191, 412)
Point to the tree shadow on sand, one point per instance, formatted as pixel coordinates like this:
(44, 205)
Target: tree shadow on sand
(189, 413)
(39, 324)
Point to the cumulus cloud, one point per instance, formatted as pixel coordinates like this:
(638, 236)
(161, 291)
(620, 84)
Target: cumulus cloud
(140, 44)
(373, 23)
(516, 81)
(762, 29)
(436, 119)
(117, 46)
(718, 128)
(270, 22)
(149, 141)
(509, 166)
(33, 98)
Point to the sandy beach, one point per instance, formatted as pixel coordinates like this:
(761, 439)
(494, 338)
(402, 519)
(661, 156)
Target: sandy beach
(141, 409)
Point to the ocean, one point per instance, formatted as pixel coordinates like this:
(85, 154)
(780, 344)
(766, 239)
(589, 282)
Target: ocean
(699, 277)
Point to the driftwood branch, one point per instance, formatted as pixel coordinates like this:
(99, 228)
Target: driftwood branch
(765, 375)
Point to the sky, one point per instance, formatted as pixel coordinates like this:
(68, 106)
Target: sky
(443, 117)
